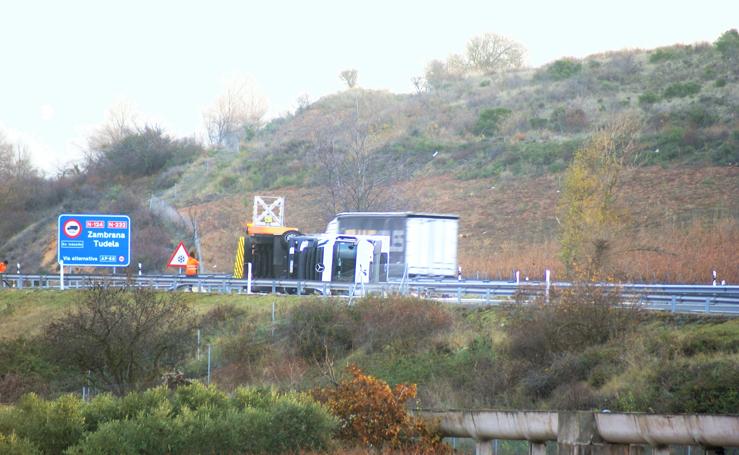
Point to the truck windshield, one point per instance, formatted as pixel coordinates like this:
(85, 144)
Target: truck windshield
(345, 261)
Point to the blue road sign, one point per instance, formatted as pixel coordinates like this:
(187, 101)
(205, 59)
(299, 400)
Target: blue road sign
(94, 240)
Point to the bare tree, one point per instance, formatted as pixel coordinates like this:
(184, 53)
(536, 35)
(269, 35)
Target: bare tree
(23, 190)
(419, 82)
(121, 119)
(240, 107)
(350, 77)
(491, 53)
(303, 102)
(124, 337)
(349, 168)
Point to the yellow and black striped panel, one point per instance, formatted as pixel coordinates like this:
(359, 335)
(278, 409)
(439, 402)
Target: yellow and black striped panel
(239, 262)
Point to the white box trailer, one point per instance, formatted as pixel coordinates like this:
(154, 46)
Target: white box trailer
(421, 244)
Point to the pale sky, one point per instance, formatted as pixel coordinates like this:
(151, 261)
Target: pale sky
(64, 63)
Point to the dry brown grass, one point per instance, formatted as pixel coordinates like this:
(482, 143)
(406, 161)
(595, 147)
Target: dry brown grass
(675, 253)
(509, 223)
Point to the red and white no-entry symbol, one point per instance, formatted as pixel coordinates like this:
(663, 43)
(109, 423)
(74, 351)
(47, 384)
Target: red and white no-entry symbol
(72, 228)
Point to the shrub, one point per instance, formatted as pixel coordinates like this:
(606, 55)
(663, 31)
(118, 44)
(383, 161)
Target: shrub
(685, 386)
(197, 396)
(571, 119)
(299, 424)
(24, 368)
(648, 98)
(254, 397)
(563, 69)
(51, 425)
(191, 420)
(402, 322)
(317, 328)
(371, 414)
(249, 346)
(698, 116)
(143, 152)
(490, 121)
(664, 54)
(573, 319)
(146, 402)
(681, 90)
(125, 337)
(220, 317)
(728, 44)
(538, 123)
(13, 445)
(153, 433)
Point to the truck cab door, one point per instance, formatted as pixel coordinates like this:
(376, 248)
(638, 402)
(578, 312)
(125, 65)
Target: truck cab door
(344, 261)
(365, 270)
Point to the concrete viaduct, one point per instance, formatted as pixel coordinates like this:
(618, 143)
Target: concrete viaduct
(589, 433)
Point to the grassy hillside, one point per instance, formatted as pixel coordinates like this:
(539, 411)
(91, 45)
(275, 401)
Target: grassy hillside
(459, 357)
(491, 148)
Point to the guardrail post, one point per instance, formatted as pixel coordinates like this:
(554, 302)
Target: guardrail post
(708, 305)
(487, 296)
(248, 278)
(274, 287)
(459, 295)
(673, 304)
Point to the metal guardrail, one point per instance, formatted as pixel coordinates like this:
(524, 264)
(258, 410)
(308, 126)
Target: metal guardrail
(684, 298)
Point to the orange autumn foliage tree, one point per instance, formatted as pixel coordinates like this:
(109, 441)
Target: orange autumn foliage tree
(372, 414)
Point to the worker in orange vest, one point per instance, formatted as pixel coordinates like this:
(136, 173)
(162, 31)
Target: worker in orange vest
(3, 269)
(191, 269)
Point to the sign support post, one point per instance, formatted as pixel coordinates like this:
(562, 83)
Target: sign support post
(61, 275)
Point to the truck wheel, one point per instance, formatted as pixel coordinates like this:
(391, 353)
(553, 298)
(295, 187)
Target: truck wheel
(288, 235)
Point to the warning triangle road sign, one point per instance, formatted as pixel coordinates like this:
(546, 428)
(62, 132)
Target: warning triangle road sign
(179, 257)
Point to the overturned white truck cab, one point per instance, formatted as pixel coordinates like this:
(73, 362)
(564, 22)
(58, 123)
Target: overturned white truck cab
(338, 258)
